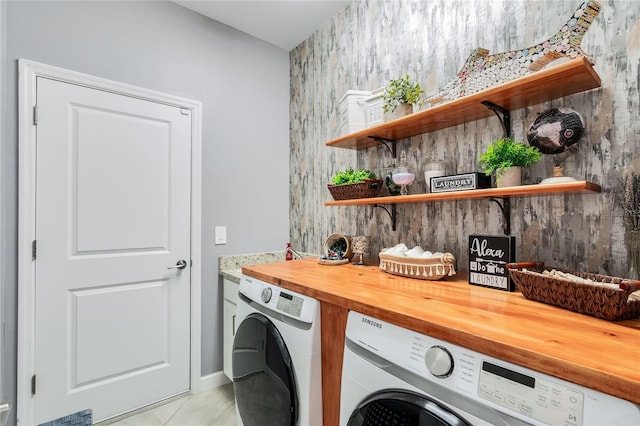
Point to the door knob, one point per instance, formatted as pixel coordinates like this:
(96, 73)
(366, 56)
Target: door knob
(181, 264)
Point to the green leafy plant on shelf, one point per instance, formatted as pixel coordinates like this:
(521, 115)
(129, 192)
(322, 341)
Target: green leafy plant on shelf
(505, 153)
(402, 91)
(353, 176)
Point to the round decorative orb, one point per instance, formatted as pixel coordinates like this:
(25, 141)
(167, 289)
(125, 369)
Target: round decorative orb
(555, 130)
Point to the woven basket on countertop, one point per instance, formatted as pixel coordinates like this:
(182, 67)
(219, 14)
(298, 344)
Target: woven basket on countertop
(602, 302)
(366, 189)
(431, 268)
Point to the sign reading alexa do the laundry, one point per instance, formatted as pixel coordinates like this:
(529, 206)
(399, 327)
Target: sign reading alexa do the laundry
(488, 258)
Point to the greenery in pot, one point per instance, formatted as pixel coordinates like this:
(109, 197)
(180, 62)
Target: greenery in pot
(505, 153)
(402, 91)
(353, 176)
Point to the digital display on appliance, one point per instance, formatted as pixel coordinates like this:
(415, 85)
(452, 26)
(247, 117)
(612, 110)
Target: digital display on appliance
(534, 397)
(290, 304)
(286, 296)
(509, 374)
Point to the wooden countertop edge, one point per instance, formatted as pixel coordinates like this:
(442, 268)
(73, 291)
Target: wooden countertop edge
(572, 371)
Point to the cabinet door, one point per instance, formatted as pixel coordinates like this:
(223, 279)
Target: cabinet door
(228, 333)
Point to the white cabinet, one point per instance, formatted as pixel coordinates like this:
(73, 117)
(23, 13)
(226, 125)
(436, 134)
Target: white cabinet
(230, 294)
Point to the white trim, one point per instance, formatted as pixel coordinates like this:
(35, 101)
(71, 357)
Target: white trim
(28, 71)
(211, 381)
(3, 237)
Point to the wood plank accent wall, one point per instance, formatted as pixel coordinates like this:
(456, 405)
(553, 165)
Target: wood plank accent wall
(370, 42)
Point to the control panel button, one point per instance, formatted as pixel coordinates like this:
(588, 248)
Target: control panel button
(439, 361)
(266, 295)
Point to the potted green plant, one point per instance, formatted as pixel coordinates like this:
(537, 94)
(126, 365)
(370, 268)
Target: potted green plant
(505, 155)
(401, 94)
(350, 184)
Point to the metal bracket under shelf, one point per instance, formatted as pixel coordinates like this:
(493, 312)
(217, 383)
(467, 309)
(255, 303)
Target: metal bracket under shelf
(505, 120)
(392, 214)
(389, 143)
(505, 207)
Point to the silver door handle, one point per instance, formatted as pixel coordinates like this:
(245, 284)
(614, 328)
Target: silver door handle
(181, 264)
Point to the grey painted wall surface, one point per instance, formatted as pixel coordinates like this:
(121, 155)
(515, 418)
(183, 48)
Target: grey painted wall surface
(3, 247)
(243, 85)
(371, 42)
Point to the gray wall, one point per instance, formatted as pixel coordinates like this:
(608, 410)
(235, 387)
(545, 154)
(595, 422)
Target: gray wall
(3, 246)
(243, 85)
(371, 42)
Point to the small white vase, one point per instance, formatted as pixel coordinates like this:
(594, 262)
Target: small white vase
(511, 177)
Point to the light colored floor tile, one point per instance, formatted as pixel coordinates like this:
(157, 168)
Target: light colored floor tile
(207, 409)
(212, 408)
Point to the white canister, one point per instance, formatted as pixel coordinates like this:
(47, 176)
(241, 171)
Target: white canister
(433, 168)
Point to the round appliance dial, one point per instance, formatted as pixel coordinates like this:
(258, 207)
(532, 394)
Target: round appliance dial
(266, 294)
(439, 361)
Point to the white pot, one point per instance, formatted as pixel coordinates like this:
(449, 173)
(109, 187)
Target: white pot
(400, 111)
(511, 177)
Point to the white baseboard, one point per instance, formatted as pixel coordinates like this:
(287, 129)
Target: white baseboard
(4, 413)
(209, 382)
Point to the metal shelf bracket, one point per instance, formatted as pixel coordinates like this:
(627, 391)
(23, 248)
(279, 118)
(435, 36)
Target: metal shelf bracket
(505, 120)
(392, 214)
(505, 207)
(389, 143)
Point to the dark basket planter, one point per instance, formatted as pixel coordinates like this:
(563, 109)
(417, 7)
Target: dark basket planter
(366, 189)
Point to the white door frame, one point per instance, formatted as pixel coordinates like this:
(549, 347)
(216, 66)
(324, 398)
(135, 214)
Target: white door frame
(28, 72)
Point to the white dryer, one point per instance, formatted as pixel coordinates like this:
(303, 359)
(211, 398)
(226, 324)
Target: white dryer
(391, 375)
(276, 360)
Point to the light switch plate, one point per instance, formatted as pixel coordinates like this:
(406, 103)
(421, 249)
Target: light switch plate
(221, 235)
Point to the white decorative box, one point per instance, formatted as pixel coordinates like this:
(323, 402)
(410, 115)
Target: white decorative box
(352, 111)
(373, 106)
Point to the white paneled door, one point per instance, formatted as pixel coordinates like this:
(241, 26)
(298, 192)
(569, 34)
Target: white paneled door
(112, 298)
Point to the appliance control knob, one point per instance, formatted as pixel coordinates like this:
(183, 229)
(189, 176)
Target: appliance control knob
(439, 361)
(266, 295)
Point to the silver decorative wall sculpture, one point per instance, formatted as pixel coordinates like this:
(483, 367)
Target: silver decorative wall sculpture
(482, 71)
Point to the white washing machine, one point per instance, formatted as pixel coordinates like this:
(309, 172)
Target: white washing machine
(276, 361)
(396, 376)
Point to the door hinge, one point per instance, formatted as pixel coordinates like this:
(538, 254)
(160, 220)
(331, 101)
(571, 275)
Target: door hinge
(33, 385)
(33, 250)
(35, 115)
(185, 111)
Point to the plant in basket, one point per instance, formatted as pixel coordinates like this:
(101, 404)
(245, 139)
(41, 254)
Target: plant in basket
(350, 184)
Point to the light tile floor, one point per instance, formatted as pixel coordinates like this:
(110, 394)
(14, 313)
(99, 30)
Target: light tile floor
(213, 408)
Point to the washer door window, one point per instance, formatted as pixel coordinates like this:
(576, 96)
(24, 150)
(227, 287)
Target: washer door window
(403, 408)
(263, 377)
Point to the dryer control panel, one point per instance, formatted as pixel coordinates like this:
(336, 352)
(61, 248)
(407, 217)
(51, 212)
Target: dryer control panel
(550, 402)
(277, 299)
(532, 396)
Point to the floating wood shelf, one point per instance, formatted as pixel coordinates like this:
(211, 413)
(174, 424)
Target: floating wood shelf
(512, 191)
(501, 196)
(561, 80)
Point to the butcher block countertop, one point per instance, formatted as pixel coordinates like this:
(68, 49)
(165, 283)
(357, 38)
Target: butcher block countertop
(595, 353)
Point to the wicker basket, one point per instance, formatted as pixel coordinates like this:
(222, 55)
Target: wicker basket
(602, 302)
(366, 189)
(432, 269)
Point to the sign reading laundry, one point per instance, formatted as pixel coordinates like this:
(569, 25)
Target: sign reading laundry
(488, 257)
(461, 182)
